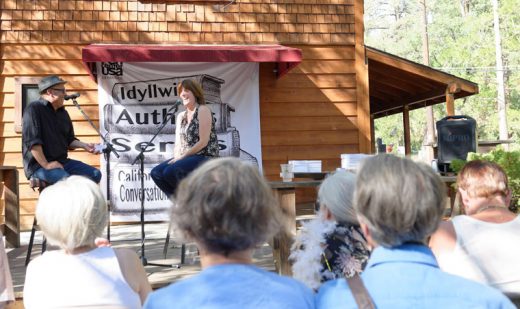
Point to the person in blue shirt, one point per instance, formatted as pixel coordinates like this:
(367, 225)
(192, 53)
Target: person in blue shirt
(228, 209)
(399, 204)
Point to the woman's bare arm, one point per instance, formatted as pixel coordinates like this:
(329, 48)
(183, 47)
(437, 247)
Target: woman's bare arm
(133, 272)
(444, 238)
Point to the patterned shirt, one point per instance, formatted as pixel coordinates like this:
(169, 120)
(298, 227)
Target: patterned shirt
(325, 250)
(345, 252)
(190, 136)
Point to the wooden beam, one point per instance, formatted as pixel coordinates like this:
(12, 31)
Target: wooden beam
(392, 81)
(453, 88)
(384, 94)
(421, 97)
(416, 99)
(397, 76)
(421, 70)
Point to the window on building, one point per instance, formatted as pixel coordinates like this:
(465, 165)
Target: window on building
(26, 91)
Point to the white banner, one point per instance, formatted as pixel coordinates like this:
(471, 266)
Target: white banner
(134, 102)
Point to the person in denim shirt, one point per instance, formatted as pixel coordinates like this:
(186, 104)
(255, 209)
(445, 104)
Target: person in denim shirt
(400, 204)
(228, 209)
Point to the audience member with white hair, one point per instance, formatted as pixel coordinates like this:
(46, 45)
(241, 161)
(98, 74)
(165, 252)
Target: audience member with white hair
(72, 214)
(228, 209)
(400, 204)
(331, 246)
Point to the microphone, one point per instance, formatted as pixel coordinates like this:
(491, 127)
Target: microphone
(175, 105)
(71, 96)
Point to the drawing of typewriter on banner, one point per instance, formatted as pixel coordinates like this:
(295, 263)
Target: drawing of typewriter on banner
(138, 111)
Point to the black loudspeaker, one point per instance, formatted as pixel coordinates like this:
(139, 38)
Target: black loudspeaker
(456, 136)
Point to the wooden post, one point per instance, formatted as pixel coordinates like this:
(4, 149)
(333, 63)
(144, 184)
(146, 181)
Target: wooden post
(406, 129)
(372, 134)
(450, 98)
(9, 178)
(282, 243)
(362, 81)
(450, 105)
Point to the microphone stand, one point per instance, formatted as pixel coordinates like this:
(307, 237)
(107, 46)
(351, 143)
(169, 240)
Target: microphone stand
(109, 148)
(140, 157)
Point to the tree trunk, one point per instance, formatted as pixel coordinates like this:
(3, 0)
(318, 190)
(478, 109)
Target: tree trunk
(429, 139)
(464, 7)
(501, 93)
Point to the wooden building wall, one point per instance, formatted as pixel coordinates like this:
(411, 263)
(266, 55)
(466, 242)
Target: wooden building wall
(317, 111)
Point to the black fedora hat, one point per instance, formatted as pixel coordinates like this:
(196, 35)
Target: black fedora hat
(49, 81)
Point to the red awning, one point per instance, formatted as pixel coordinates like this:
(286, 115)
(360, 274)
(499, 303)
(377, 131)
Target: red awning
(285, 57)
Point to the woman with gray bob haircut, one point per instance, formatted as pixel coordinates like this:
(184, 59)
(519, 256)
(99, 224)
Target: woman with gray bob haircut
(399, 200)
(228, 209)
(399, 205)
(72, 213)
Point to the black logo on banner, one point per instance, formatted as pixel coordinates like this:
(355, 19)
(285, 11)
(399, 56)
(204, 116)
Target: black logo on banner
(112, 68)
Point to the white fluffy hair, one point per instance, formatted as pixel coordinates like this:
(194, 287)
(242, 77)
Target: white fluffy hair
(72, 212)
(307, 250)
(337, 193)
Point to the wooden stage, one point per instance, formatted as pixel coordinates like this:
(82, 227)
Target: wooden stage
(128, 236)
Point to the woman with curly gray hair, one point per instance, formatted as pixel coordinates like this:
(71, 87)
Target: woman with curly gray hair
(228, 209)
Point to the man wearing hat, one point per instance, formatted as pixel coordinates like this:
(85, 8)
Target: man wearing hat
(48, 134)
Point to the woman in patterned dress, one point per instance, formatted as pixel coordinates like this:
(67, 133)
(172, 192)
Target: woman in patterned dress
(195, 139)
(332, 245)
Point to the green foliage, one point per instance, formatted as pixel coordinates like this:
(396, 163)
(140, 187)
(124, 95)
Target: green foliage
(462, 44)
(457, 164)
(508, 160)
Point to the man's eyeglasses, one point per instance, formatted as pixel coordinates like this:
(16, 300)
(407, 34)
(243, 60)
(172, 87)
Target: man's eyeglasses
(62, 90)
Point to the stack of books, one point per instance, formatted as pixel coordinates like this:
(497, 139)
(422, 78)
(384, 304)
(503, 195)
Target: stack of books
(306, 166)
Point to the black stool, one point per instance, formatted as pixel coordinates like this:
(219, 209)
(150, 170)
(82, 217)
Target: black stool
(167, 242)
(35, 184)
(165, 249)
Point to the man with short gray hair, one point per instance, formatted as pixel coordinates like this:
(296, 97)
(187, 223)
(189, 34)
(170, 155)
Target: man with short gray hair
(48, 134)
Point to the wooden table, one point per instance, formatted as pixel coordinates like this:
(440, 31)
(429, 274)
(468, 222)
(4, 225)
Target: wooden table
(286, 194)
(311, 175)
(10, 196)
